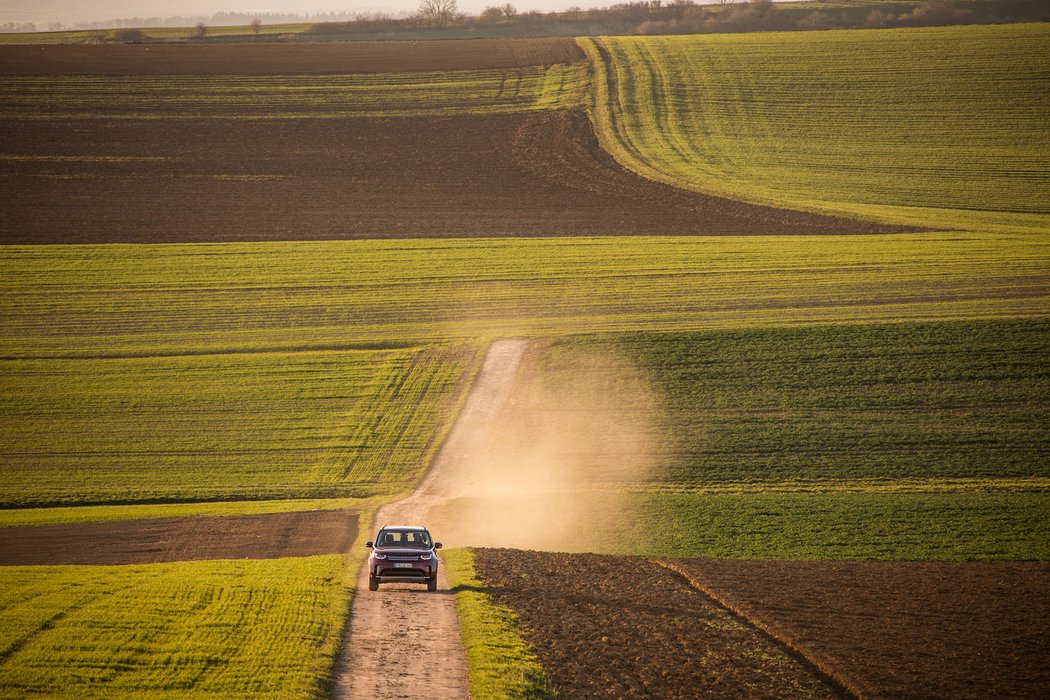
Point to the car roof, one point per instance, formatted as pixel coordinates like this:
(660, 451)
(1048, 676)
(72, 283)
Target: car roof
(419, 528)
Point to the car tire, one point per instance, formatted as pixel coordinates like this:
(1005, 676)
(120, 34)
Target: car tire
(373, 583)
(432, 584)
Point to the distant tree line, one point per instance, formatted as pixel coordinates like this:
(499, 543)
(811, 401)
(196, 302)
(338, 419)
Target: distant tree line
(437, 17)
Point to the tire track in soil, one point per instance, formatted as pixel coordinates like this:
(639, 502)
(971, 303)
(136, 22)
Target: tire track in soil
(402, 641)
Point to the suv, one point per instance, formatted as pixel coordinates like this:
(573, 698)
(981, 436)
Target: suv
(403, 553)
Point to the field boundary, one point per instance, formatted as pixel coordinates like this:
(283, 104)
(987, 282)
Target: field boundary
(820, 667)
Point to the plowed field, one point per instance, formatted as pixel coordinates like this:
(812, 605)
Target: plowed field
(606, 627)
(270, 536)
(284, 59)
(627, 627)
(536, 174)
(891, 630)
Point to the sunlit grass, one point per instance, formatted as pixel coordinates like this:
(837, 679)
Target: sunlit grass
(500, 663)
(22, 517)
(224, 427)
(124, 301)
(942, 127)
(195, 629)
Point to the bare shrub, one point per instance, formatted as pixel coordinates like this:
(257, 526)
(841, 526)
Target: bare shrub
(817, 20)
(935, 13)
(437, 12)
(878, 19)
(130, 36)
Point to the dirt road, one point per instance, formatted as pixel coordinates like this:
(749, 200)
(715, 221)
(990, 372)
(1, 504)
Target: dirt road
(403, 642)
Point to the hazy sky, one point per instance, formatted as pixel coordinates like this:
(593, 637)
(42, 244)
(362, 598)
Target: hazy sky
(71, 11)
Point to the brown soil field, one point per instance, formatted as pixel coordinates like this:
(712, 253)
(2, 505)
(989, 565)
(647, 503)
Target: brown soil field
(899, 630)
(608, 627)
(308, 58)
(528, 174)
(620, 627)
(269, 536)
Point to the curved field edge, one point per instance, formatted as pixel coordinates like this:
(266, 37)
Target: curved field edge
(940, 128)
(500, 663)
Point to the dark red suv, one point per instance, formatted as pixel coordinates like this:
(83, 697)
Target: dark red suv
(403, 553)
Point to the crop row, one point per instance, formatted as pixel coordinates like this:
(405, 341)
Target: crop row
(943, 127)
(225, 426)
(218, 629)
(285, 96)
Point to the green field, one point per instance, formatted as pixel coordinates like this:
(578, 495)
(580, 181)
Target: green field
(121, 301)
(275, 370)
(195, 629)
(940, 127)
(445, 93)
(919, 441)
(936, 401)
(877, 397)
(233, 426)
(767, 524)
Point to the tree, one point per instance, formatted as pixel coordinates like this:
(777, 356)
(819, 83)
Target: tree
(492, 13)
(200, 30)
(130, 35)
(439, 12)
(509, 11)
(256, 25)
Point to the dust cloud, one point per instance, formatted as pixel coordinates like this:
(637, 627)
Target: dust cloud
(548, 464)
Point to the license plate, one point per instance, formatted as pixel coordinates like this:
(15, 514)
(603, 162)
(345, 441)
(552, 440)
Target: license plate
(406, 565)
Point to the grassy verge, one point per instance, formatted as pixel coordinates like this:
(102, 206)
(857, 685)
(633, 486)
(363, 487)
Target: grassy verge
(499, 662)
(941, 127)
